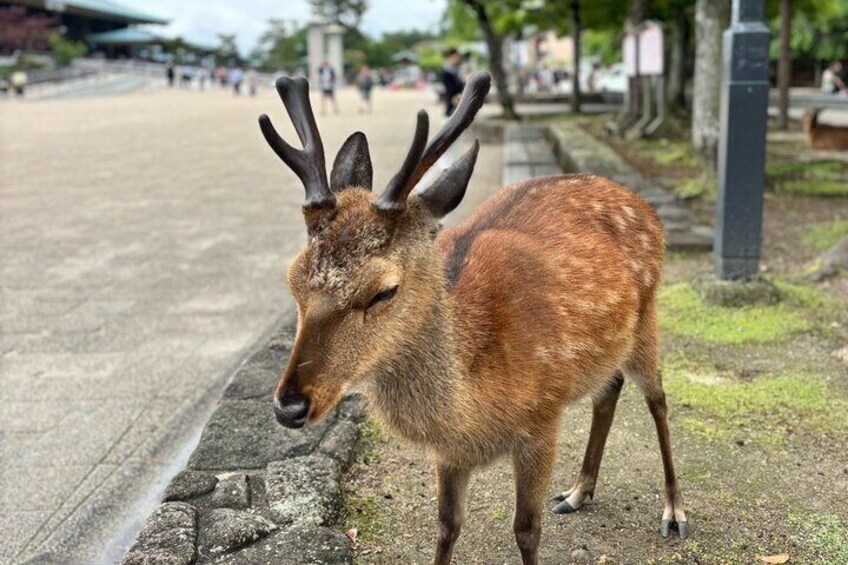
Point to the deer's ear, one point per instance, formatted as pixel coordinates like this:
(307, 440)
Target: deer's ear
(352, 166)
(445, 194)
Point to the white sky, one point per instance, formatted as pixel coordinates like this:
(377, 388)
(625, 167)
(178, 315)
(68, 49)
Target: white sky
(202, 20)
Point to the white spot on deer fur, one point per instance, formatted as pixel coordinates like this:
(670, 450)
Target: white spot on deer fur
(620, 223)
(543, 353)
(629, 212)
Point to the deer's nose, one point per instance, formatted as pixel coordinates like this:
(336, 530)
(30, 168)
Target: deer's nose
(292, 410)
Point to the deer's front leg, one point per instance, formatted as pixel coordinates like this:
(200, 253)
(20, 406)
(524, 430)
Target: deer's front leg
(453, 483)
(533, 461)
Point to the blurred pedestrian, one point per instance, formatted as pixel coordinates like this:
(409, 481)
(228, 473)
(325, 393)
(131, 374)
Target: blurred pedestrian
(451, 79)
(327, 81)
(187, 75)
(365, 83)
(235, 77)
(252, 82)
(19, 80)
(169, 73)
(832, 80)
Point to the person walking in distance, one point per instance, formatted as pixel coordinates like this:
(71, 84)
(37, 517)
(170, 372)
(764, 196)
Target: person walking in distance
(365, 83)
(327, 81)
(832, 82)
(235, 77)
(451, 79)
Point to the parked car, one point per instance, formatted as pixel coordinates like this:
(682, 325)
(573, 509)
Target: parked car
(613, 79)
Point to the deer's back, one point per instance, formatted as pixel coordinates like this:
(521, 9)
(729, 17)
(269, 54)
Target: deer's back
(552, 275)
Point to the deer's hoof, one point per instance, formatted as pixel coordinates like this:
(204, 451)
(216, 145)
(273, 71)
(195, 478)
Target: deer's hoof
(682, 528)
(564, 508)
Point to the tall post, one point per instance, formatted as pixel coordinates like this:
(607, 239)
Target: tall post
(314, 50)
(742, 143)
(335, 50)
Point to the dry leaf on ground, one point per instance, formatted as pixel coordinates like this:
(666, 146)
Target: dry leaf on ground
(778, 559)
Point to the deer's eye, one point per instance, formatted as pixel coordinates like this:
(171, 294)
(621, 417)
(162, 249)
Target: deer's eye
(382, 296)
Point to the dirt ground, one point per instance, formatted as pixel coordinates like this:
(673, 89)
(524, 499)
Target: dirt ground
(758, 399)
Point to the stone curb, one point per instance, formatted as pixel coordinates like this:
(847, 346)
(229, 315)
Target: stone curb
(252, 491)
(579, 152)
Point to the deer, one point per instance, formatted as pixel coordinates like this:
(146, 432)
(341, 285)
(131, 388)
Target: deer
(470, 341)
(824, 136)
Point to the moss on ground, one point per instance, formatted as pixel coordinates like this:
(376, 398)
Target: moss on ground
(823, 537)
(363, 514)
(822, 237)
(371, 436)
(683, 312)
(767, 409)
(696, 187)
(818, 178)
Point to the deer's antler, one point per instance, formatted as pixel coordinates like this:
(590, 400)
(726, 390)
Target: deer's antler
(308, 163)
(420, 159)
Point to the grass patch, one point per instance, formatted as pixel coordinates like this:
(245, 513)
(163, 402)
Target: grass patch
(371, 435)
(672, 154)
(363, 513)
(822, 237)
(696, 187)
(818, 178)
(803, 296)
(823, 537)
(767, 409)
(684, 313)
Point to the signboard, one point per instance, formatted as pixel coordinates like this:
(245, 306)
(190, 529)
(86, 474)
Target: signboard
(643, 51)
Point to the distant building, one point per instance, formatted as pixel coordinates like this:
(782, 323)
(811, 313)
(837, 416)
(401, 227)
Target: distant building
(26, 24)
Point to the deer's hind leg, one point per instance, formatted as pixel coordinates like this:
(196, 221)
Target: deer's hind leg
(644, 368)
(603, 411)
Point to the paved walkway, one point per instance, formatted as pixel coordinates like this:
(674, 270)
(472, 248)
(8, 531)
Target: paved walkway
(144, 241)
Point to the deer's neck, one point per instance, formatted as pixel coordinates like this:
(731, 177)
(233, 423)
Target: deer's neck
(418, 394)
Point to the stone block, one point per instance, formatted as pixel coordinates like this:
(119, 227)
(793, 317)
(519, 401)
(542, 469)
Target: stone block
(232, 491)
(230, 529)
(296, 546)
(353, 408)
(340, 442)
(169, 536)
(243, 434)
(734, 294)
(189, 484)
(304, 491)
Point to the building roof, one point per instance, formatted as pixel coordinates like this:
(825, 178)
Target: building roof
(98, 9)
(405, 57)
(126, 36)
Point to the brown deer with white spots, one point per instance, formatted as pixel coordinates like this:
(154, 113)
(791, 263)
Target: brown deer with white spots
(470, 341)
(824, 136)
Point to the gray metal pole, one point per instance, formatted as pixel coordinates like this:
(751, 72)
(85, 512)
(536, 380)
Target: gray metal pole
(742, 145)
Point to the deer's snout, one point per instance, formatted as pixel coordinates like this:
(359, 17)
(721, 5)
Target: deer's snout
(292, 410)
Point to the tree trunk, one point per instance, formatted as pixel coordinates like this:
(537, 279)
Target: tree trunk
(494, 44)
(575, 75)
(676, 92)
(784, 65)
(636, 11)
(710, 20)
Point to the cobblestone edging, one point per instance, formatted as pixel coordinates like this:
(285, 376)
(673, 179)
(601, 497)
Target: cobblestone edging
(579, 152)
(252, 491)
(535, 151)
